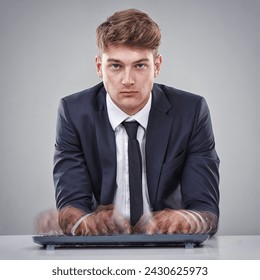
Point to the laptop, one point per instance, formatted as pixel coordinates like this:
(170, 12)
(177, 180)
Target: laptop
(124, 240)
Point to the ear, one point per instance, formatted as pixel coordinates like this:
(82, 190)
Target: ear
(99, 66)
(157, 65)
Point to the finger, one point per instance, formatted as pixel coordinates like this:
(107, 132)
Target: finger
(192, 220)
(142, 224)
(122, 224)
(104, 222)
(82, 229)
(47, 223)
(89, 225)
(68, 217)
(152, 227)
(179, 227)
(111, 227)
(168, 221)
(101, 229)
(195, 219)
(181, 223)
(163, 220)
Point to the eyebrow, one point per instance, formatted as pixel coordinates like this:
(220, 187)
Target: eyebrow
(135, 62)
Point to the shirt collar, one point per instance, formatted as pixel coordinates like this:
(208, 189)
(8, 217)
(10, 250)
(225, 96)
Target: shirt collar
(117, 116)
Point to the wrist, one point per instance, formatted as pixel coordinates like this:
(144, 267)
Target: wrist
(78, 222)
(68, 216)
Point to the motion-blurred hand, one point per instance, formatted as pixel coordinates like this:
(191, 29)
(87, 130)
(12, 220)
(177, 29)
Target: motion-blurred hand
(106, 220)
(177, 221)
(47, 223)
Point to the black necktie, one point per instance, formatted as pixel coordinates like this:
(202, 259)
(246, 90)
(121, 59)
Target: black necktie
(135, 172)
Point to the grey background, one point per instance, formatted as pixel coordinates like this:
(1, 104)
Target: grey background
(47, 51)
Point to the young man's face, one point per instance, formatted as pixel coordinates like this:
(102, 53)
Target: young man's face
(128, 75)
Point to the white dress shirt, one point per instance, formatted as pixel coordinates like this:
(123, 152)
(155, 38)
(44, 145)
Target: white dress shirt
(116, 117)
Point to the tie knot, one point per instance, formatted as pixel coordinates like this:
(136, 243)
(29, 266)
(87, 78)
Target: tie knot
(131, 128)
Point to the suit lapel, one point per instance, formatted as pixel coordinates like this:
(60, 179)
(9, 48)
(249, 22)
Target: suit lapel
(107, 149)
(158, 131)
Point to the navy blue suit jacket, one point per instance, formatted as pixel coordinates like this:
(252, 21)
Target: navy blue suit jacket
(180, 152)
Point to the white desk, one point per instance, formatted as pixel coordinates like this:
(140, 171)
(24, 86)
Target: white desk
(21, 247)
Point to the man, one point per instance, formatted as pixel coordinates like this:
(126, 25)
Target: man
(162, 180)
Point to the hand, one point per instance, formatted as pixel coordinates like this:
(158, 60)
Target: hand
(165, 221)
(177, 221)
(47, 223)
(106, 220)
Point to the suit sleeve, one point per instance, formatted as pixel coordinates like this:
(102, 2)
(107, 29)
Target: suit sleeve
(70, 173)
(200, 177)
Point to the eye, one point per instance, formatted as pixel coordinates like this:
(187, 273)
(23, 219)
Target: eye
(140, 66)
(115, 66)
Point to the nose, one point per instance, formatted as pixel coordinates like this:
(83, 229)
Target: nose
(128, 79)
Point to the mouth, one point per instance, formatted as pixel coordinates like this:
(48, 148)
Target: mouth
(129, 91)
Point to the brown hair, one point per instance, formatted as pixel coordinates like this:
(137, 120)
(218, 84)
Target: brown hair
(132, 28)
